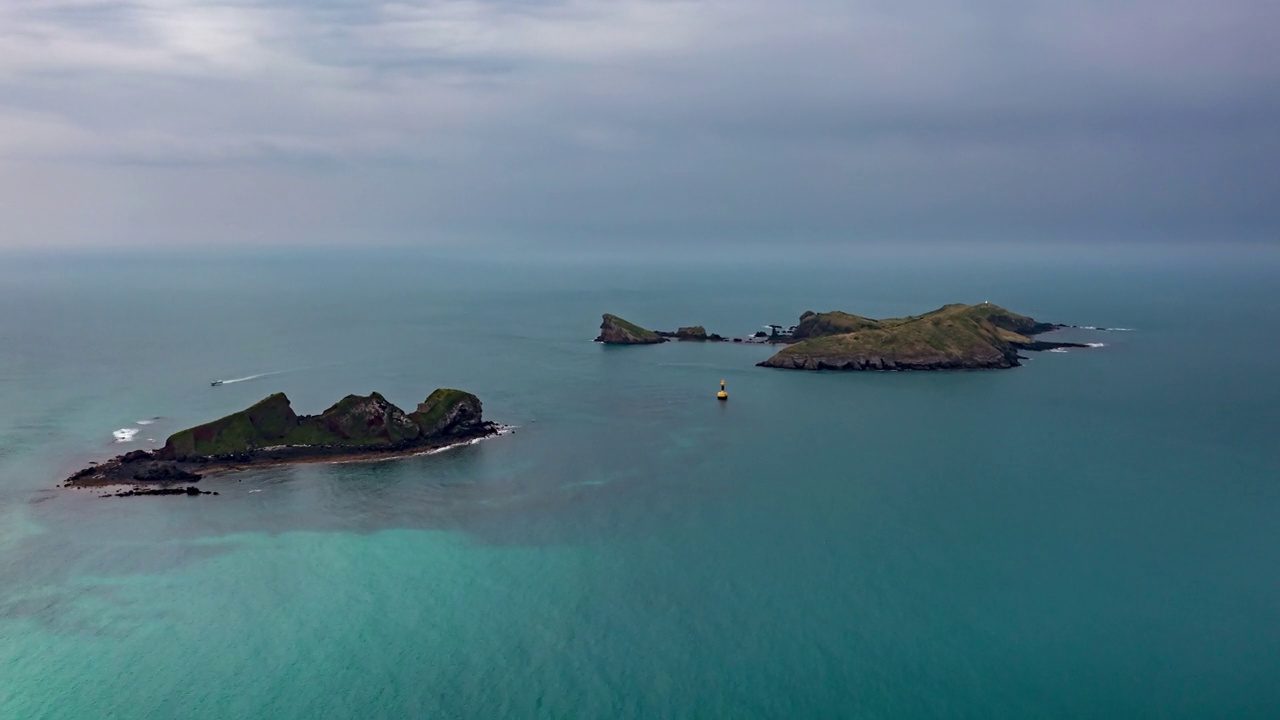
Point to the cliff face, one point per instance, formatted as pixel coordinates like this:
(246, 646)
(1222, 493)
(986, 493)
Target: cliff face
(951, 337)
(616, 331)
(356, 422)
(361, 420)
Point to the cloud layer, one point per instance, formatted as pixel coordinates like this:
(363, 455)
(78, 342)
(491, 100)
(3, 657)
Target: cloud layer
(335, 121)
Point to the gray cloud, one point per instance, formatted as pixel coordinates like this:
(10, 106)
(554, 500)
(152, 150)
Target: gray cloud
(249, 121)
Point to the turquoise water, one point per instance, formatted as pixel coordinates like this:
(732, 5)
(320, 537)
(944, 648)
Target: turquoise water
(1091, 535)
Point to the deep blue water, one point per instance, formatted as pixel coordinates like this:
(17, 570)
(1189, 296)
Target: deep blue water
(1092, 535)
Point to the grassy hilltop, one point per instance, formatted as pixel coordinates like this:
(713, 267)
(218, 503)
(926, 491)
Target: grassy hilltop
(953, 336)
(616, 331)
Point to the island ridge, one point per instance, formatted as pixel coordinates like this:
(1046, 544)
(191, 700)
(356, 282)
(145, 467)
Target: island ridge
(270, 433)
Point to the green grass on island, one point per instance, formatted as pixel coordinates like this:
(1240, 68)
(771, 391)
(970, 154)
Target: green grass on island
(958, 335)
(355, 421)
(639, 332)
(437, 405)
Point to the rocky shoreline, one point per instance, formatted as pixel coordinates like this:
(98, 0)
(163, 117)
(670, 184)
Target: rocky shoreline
(142, 468)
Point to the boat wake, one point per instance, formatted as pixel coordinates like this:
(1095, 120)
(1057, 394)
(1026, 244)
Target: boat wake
(247, 378)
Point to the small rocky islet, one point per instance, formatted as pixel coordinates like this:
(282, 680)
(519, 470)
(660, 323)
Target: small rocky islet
(616, 331)
(953, 337)
(358, 427)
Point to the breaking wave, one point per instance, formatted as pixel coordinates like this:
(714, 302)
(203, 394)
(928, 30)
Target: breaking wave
(502, 430)
(124, 435)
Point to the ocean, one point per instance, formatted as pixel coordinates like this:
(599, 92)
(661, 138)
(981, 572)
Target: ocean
(1093, 534)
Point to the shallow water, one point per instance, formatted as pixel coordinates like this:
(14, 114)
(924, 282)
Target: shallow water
(1091, 535)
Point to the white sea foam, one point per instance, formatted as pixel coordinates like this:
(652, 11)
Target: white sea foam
(1096, 344)
(124, 435)
(1058, 350)
(145, 422)
(502, 430)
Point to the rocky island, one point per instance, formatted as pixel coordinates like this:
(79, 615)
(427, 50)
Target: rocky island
(270, 433)
(616, 331)
(951, 337)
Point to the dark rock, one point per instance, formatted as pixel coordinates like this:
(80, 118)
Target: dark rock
(366, 418)
(84, 473)
(165, 472)
(138, 492)
(1039, 345)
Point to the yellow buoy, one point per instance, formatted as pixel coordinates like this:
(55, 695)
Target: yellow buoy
(722, 394)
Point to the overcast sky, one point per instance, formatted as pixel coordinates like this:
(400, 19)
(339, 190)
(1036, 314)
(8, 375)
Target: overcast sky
(627, 121)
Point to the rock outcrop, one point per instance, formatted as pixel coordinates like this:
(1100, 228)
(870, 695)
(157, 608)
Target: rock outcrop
(270, 432)
(448, 413)
(616, 331)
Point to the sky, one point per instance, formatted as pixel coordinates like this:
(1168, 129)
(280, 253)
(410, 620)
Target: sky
(332, 122)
